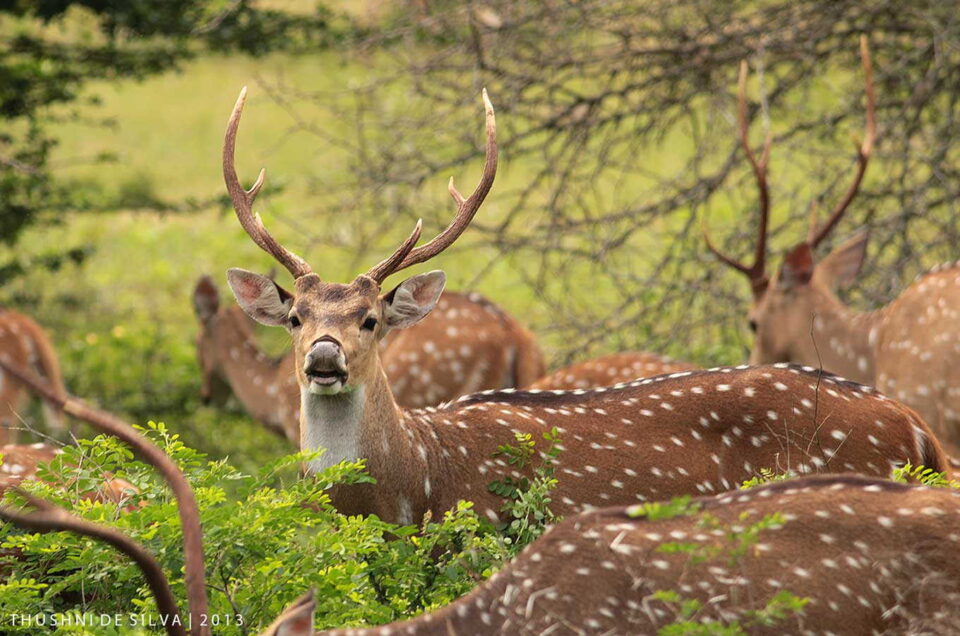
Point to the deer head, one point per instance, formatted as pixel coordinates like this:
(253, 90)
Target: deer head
(336, 327)
(782, 307)
(206, 307)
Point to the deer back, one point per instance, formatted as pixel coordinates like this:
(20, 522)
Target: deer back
(611, 369)
(685, 433)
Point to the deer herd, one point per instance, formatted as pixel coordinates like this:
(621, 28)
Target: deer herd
(427, 385)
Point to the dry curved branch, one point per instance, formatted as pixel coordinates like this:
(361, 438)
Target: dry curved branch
(195, 570)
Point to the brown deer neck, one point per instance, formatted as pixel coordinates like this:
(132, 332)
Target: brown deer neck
(843, 339)
(250, 373)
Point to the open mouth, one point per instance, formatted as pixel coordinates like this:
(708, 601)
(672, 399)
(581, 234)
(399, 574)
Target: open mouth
(326, 377)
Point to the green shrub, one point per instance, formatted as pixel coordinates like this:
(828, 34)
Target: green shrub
(268, 536)
(924, 476)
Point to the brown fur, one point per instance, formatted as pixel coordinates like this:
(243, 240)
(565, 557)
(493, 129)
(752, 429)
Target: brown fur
(467, 344)
(26, 343)
(907, 349)
(21, 461)
(230, 357)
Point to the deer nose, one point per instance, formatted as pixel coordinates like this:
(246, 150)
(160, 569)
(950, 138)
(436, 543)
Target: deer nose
(325, 355)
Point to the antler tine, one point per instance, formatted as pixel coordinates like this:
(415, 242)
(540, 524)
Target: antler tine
(384, 268)
(863, 152)
(740, 267)
(814, 220)
(187, 502)
(756, 272)
(466, 208)
(48, 517)
(243, 199)
(759, 172)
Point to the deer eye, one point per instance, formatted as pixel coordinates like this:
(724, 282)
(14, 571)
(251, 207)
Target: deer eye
(753, 326)
(369, 324)
(294, 320)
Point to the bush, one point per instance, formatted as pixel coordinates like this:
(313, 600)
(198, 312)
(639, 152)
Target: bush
(269, 537)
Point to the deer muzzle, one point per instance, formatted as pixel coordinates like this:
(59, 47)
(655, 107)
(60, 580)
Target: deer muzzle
(325, 366)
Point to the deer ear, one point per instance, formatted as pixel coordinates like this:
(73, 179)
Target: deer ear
(797, 268)
(412, 299)
(843, 264)
(296, 619)
(262, 299)
(206, 299)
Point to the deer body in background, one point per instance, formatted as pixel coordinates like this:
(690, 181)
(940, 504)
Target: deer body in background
(687, 432)
(611, 369)
(24, 341)
(870, 556)
(467, 344)
(21, 462)
(231, 360)
(909, 349)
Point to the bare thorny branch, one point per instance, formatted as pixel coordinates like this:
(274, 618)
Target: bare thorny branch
(618, 125)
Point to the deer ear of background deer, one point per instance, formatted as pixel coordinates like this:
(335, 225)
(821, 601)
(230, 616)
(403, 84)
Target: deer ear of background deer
(206, 299)
(797, 268)
(262, 299)
(295, 620)
(412, 299)
(841, 267)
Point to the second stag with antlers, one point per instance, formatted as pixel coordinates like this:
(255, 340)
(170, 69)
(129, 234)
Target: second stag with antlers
(908, 349)
(687, 432)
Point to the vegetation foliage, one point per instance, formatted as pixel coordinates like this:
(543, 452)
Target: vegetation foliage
(53, 49)
(268, 537)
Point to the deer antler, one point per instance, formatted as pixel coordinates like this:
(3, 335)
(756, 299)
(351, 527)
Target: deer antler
(384, 268)
(187, 502)
(243, 199)
(756, 272)
(48, 517)
(863, 152)
(406, 255)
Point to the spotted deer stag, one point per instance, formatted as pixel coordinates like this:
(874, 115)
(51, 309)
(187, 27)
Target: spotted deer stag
(686, 432)
(466, 344)
(869, 555)
(909, 349)
(611, 369)
(23, 340)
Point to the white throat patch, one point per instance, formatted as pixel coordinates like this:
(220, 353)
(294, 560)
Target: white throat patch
(331, 422)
